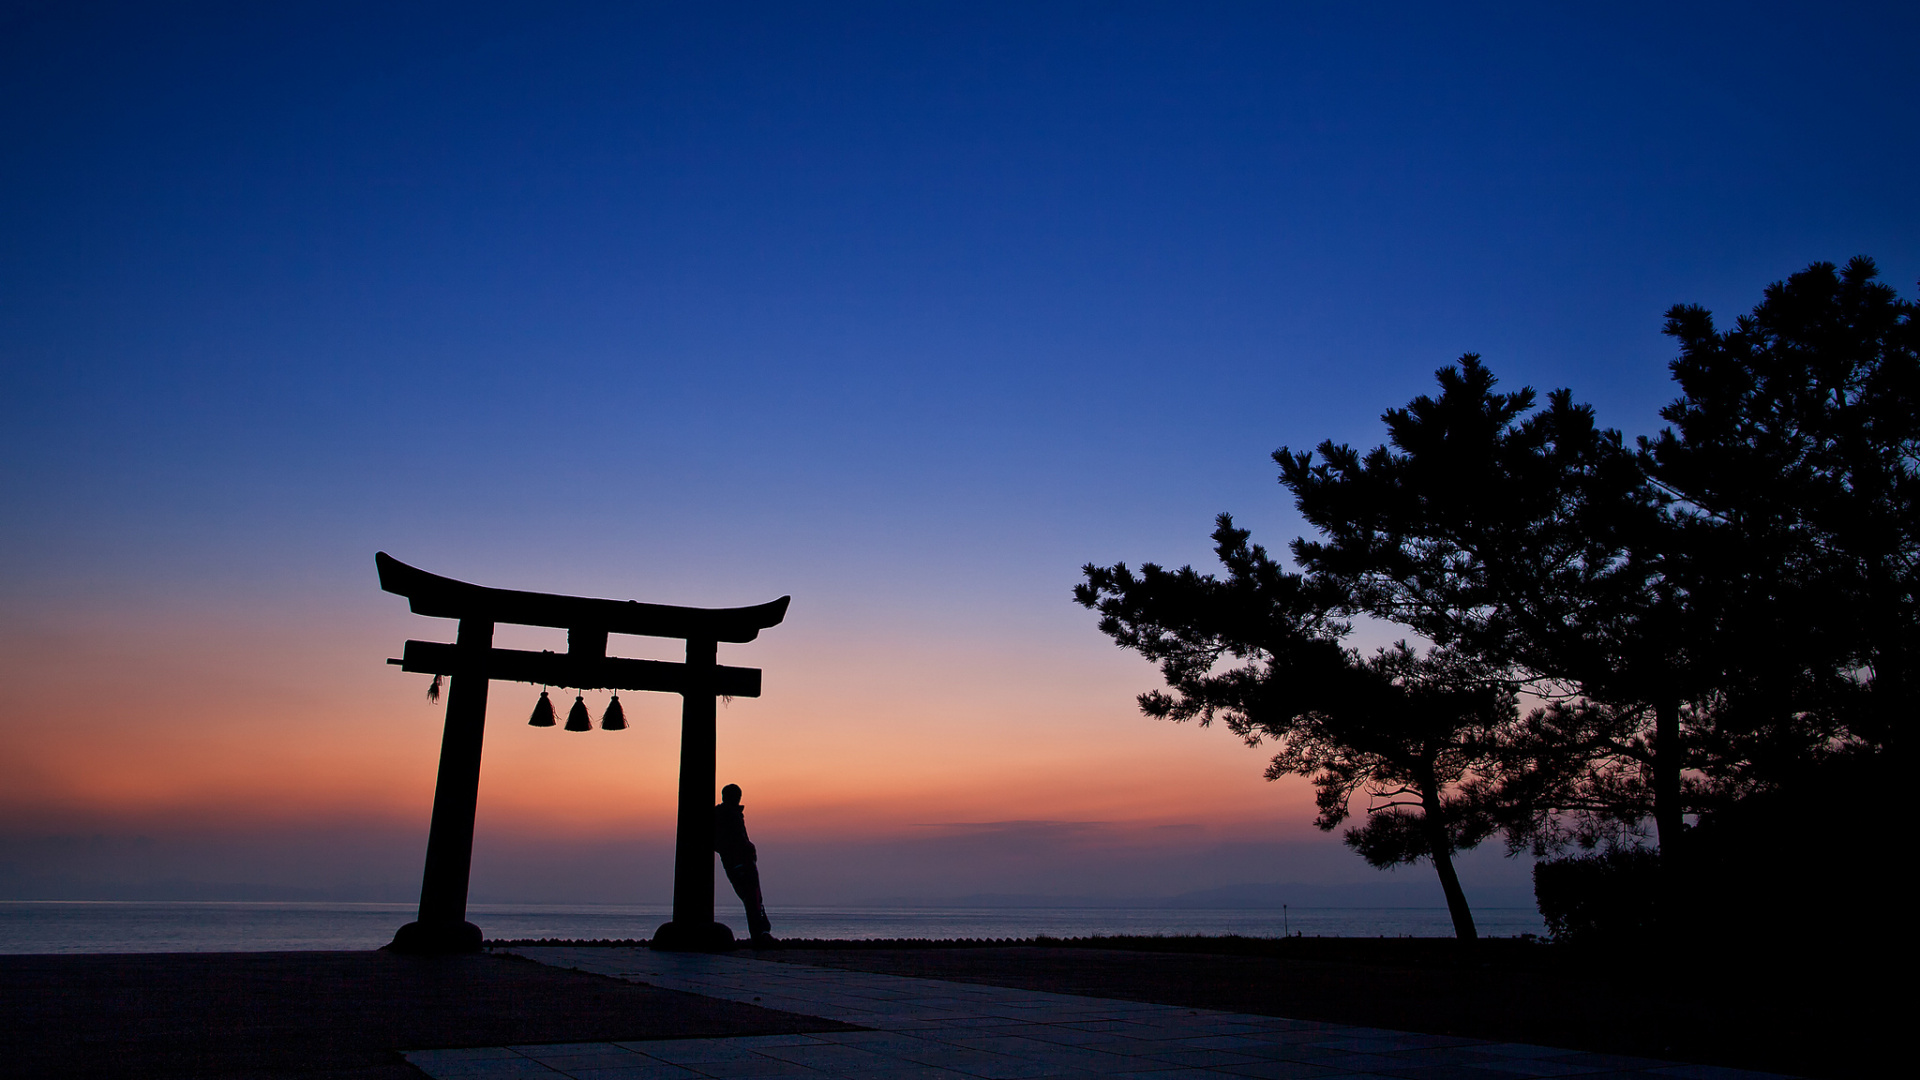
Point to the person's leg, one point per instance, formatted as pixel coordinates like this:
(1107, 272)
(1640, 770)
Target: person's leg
(745, 878)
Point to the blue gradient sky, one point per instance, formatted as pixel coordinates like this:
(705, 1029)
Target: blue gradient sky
(905, 309)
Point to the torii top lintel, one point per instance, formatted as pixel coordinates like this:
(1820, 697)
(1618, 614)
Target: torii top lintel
(446, 598)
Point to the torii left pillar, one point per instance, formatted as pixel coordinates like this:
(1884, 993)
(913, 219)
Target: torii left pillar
(442, 925)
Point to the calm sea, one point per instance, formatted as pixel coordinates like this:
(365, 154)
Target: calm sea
(35, 926)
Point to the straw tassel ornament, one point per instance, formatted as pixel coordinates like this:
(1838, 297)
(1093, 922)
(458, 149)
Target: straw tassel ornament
(542, 712)
(615, 718)
(577, 718)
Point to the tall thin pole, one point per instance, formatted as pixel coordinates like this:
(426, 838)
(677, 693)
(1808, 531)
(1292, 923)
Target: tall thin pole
(443, 925)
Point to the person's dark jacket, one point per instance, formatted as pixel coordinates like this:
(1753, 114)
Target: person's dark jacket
(730, 834)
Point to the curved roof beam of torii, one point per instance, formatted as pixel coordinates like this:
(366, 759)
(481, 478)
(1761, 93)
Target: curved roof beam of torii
(443, 597)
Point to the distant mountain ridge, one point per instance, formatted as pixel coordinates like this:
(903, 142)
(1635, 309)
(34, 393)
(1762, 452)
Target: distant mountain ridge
(1249, 895)
(178, 890)
(1259, 896)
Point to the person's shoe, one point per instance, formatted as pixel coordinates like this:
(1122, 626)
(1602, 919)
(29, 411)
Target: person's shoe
(763, 941)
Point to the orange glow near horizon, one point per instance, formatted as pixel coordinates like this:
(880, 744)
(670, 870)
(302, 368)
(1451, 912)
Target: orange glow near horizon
(229, 720)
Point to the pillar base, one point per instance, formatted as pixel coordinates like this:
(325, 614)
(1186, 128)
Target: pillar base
(694, 937)
(436, 938)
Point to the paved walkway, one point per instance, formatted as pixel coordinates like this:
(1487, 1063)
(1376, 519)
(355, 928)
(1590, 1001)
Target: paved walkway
(928, 1029)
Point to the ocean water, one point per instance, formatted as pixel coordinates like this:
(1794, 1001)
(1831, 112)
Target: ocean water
(39, 926)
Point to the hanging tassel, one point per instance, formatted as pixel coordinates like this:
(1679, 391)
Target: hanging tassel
(577, 718)
(433, 692)
(615, 718)
(542, 712)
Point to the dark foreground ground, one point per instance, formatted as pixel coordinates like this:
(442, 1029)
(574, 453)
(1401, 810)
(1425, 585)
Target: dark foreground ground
(333, 1016)
(1808, 1018)
(323, 1015)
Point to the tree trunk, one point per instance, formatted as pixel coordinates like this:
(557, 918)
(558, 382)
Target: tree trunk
(1666, 778)
(1666, 820)
(1440, 848)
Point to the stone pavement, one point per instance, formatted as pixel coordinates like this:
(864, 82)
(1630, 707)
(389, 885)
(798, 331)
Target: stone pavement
(928, 1029)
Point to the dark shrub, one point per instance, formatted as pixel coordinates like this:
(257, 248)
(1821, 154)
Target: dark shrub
(1608, 897)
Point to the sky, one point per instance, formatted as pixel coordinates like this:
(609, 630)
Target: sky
(907, 311)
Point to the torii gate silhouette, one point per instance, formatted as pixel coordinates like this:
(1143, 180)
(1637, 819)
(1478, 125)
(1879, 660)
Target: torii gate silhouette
(472, 661)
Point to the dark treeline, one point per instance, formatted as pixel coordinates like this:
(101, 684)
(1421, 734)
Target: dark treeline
(1681, 669)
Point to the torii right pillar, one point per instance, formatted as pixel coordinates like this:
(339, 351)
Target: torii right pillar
(693, 927)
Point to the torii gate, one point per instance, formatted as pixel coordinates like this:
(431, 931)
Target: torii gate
(471, 661)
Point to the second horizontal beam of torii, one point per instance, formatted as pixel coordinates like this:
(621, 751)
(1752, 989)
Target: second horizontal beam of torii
(579, 672)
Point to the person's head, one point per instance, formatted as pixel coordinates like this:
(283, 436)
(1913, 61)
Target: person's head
(730, 793)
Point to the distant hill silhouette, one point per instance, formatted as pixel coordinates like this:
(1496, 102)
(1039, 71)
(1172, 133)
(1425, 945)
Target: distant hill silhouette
(1395, 894)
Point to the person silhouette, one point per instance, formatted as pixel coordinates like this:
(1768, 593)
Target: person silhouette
(741, 861)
